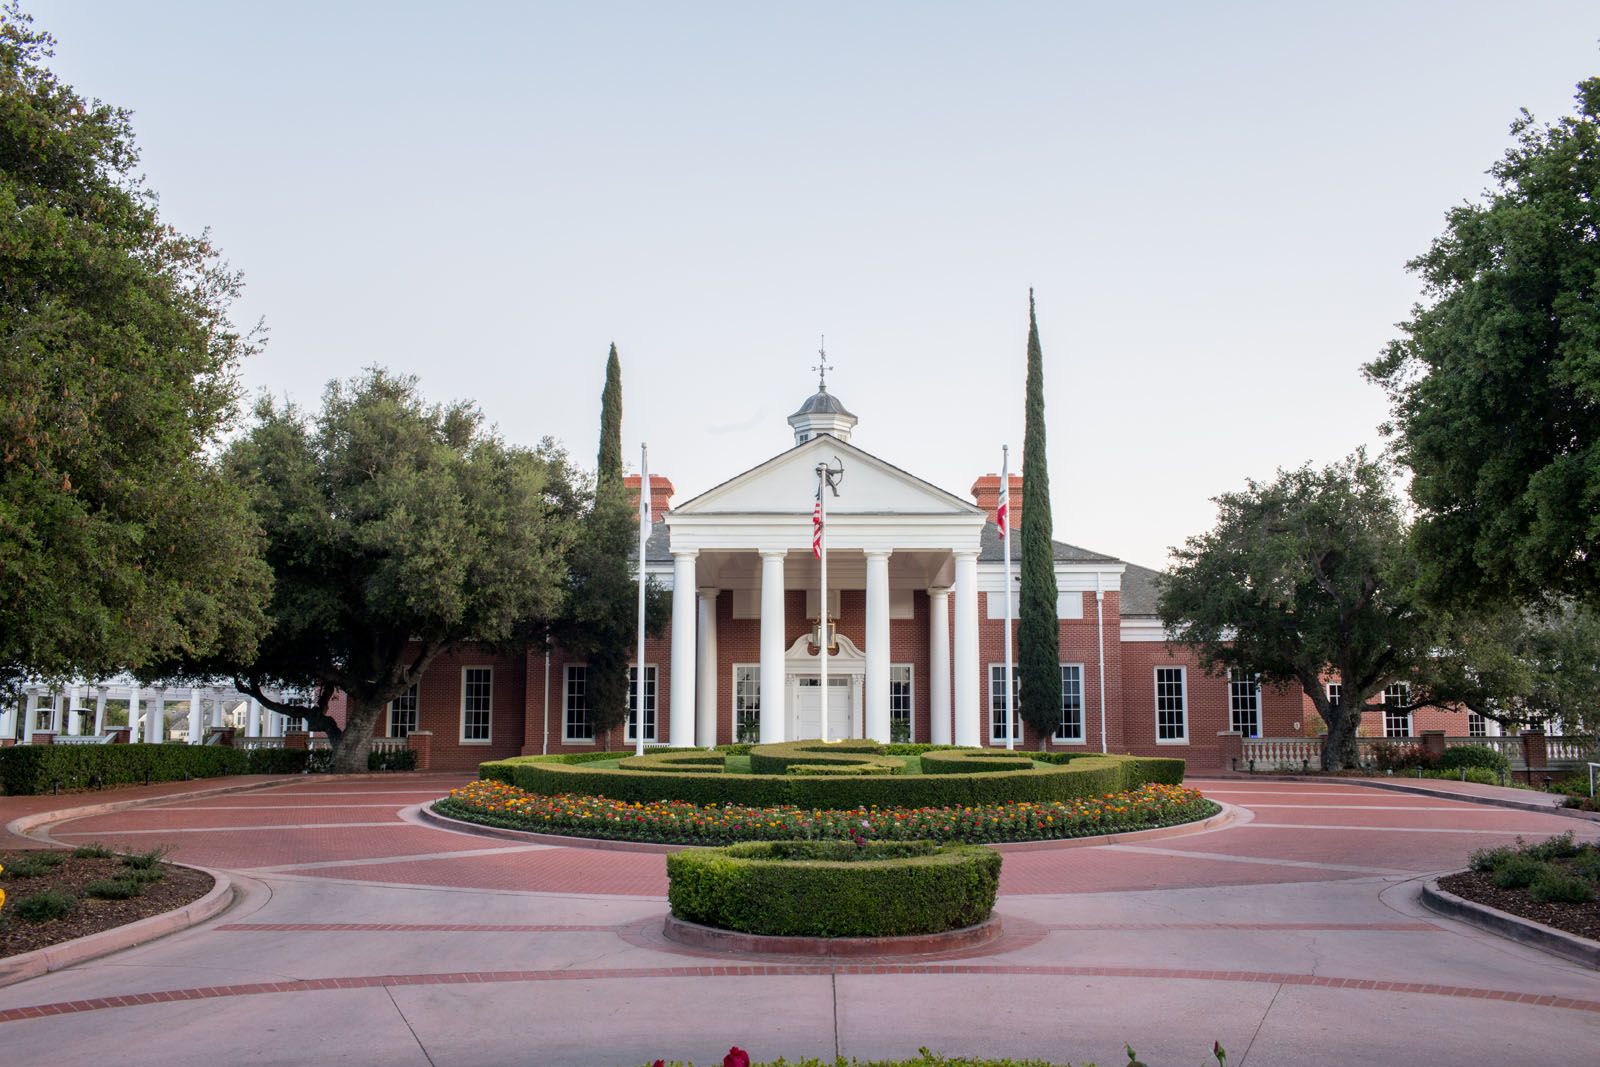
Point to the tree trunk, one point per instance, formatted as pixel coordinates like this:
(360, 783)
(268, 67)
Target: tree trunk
(1339, 750)
(351, 747)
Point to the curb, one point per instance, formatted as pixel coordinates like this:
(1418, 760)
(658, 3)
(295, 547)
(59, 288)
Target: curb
(53, 958)
(426, 814)
(1397, 786)
(23, 826)
(716, 939)
(1512, 927)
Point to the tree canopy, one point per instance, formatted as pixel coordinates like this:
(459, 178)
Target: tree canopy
(119, 542)
(396, 530)
(1038, 630)
(1495, 385)
(1301, 577)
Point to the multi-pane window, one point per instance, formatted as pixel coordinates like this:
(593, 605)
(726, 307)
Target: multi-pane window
(649, 703)
(403, 712)
(997, 704)
(576, 724)
(746, 703)
(477, 696)
(1171, 722)
(900, 703)
(1335, 694)
(1244, 704)
(1070, 726)
(1477, 726)
(1397, 711)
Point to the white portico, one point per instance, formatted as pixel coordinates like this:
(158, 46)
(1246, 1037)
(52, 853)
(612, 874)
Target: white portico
(892, 540)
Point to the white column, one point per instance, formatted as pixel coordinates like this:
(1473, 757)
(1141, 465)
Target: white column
(196, 711)
(774, 715)
(217, 710)
(134, 734)
(877, 683)
(681, 726)
(252, 726)
(155, 719)
(75, 710)
(99, 710)
(705, 726)
(30, 713)
(55, 713)
(968, 706)
(8, 730)
(939, 665)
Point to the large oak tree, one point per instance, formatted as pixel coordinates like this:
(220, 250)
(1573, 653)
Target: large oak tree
(397, 530)
(1302, 578)
(1495, 384)
(120, 544)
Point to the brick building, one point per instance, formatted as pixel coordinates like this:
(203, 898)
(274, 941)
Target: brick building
(916, 582)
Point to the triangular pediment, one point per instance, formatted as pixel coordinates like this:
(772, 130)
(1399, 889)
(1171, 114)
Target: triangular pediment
(787, 484)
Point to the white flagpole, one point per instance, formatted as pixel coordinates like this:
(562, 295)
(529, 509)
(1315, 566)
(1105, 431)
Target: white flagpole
(822, 596)
(644, 535)
(1005, 492)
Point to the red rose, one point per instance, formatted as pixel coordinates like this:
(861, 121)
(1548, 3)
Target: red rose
(736, 1057)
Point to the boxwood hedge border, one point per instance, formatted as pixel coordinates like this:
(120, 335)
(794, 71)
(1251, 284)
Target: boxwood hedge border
(1050, 776)
(29, 770)
(777, 888)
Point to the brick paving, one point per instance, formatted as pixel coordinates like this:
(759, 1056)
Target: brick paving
(1311, 887)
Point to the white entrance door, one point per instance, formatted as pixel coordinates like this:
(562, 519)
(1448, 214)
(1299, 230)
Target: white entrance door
(808, 709)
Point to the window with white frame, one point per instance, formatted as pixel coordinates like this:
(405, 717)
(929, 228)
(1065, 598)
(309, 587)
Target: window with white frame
(477, 700)
(746, 702)
(1069, 728)
(1172, 725)
(577, 726)
(1397, 711)
(1477, 726)
(1335, 694)
(1244, 704)
(649, 702)
(900, 703)
(403, 712)
(997, 704)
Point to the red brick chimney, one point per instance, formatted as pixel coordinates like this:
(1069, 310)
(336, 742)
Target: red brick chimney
(986, 491)
(660, 493)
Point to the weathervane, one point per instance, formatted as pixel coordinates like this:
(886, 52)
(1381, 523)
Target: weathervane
(823, 366)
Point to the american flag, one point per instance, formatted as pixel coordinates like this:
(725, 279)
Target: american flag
(816, 525)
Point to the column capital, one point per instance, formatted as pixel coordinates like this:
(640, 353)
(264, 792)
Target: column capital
(878, 553)
(964, 553)
(708, 592)
(772, 553)
(685, 553)
(938, 590)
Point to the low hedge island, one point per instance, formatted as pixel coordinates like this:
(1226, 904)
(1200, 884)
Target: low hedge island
(834, 888)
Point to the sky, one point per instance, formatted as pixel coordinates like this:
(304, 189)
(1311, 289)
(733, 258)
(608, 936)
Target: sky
(1213, 203)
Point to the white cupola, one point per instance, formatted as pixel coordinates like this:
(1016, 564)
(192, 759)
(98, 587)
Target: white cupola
(822, 413)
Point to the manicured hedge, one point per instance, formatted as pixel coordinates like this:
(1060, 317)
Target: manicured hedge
(820, 888)
(1079, 776)
(692, 761)
(32, 769)
(974, 760)
(780, 757)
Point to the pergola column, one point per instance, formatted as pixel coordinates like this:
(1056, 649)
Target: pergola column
(252, 722)
(217, 710)
(75, 710)
(155, 719)
(705, 725)
(196, 711)
(774, 723)
(683, 660)
(99, 710)
(877, 682)
(939, 665)
(134, 725)
(30, 715)
(968, 708)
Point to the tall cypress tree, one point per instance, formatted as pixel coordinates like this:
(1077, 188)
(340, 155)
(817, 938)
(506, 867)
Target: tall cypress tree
(608, 466)
(1038, 636)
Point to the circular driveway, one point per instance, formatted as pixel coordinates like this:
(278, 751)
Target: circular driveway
(360, 934)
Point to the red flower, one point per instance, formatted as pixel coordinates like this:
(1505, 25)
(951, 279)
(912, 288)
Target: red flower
(736, 1057)
(659, 1063)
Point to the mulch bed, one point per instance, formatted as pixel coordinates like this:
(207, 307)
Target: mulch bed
(1479, 887)
(180, 886)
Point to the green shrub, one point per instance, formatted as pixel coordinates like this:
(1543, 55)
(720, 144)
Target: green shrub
(44, 906)
(693, 761)
(847, 770)
(115, 888)
(29, 770)
(1078, 776)
(1458, 756)
(146, 861)
(94, 851)
(1556, 885)
(36, 865)
(1561, 846)
(1586, 864)
(1519, 872)
(974, 760)
(778, 758)
(1491, 859)
(1390, 756)
(777, 888)
(404, 759)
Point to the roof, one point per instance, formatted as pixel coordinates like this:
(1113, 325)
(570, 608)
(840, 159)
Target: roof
(822, 402)
(992, 551)
(1139, 594)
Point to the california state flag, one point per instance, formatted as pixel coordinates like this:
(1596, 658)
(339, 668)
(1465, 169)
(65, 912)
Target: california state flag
(1003, 512)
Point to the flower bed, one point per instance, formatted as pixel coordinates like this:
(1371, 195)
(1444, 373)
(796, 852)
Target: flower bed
(834, 888)
(495, 803)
